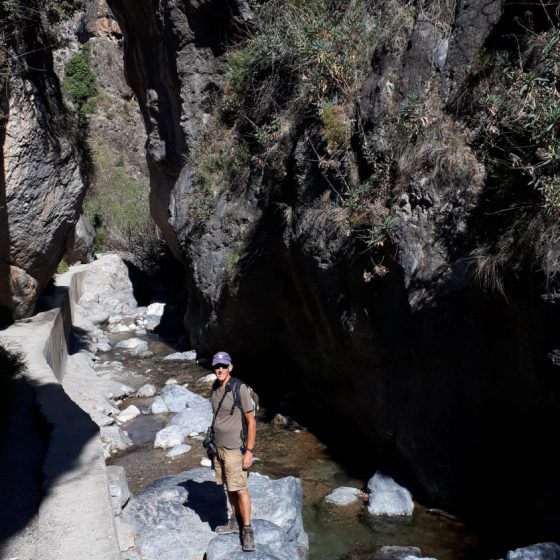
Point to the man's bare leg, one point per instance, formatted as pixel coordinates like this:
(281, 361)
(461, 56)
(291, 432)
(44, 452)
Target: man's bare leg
(234, 503)
(244, 506)
(240, 502)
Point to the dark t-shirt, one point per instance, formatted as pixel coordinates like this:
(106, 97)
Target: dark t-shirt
(228, 428)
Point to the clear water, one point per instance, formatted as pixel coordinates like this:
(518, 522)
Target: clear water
(335, 533)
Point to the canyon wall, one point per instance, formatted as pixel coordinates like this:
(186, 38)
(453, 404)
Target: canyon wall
(41, 183)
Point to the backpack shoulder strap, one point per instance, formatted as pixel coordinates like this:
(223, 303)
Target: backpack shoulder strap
(227, 389)
(235, 385)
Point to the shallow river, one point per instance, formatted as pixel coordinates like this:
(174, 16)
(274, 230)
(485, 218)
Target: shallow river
(335, 533)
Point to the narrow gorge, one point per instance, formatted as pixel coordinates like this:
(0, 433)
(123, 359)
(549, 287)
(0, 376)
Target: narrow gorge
(360, 200)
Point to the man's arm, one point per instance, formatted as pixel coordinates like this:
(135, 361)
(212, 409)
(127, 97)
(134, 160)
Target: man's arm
(251, 438)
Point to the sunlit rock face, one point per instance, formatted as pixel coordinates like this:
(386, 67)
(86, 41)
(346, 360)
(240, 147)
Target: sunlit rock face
(393, 340)
(41, 187)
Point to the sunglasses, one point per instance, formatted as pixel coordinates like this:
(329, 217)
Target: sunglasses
(222, 366)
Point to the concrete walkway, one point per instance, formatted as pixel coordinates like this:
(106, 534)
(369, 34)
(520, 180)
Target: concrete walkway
(71, 518)
(23, 444)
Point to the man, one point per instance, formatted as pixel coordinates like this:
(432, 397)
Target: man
(233, 460)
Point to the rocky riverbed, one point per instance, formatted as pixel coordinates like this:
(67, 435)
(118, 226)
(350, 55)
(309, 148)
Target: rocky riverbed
(284, 449)
(164, 497)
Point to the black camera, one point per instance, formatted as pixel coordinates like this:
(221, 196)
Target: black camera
(209, 444)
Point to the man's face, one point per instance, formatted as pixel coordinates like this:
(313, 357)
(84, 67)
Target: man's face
(222, 371)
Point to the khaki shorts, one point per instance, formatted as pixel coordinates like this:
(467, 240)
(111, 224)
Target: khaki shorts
(228, 463)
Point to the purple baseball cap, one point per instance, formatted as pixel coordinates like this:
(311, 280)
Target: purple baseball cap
(221, 358)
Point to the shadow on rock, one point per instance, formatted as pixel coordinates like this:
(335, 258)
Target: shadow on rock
(207, 500)
(80, 340)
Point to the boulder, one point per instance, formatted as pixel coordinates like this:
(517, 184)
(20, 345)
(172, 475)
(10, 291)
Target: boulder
(176, 397)
(128, 414)
(114, 440)
(134, 346)
(540, 551)
(180, 449)
(147, 390)
(397, 553)
(79, 245)
(386, 497)
(170, 436)
(175, 518)
(159, 406)
(195, 418)
(189, 355)
(106, 286)
(343, 496)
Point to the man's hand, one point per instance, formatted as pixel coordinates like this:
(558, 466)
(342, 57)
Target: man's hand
(251, 437)
(247, 461)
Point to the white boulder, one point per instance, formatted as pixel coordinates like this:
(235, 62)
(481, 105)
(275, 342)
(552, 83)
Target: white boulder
(386, 497)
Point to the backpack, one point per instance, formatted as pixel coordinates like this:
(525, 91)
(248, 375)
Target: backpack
(235, 386)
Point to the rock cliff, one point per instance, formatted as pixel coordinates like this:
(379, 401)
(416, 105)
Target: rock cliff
(41, 184)
(389, 249)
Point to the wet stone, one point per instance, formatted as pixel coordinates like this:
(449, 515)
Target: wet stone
(397, 553)
(343, 496)
(128, 414)
(541, 551)
(179, 450)
(387, 497)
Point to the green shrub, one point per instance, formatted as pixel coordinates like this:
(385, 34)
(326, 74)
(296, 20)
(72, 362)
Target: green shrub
(233, 259)
(80, 84)
(309, 50)
(62, 267)
(335, 128)
(13, 9)
(518, 123)
(301, 59)
(411, 112)
(58, 10)
(100, 237)
(376, 235)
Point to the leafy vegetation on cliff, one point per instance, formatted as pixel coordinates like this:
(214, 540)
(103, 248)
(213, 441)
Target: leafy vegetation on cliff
(305, 51)
(492, 146)
(58, 10)
(303, 60)
(116, 202)
(518, 126)
(80, 84)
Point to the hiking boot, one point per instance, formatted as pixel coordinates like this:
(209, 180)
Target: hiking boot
(232, 526)
(248, 538)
